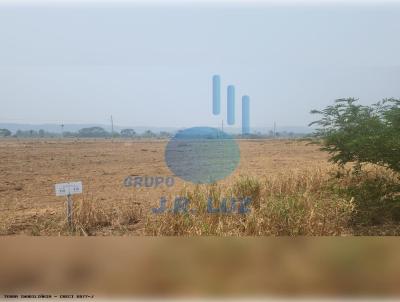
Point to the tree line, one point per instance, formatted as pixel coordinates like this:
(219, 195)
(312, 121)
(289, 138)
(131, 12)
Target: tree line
(99, 132)
(90, 132)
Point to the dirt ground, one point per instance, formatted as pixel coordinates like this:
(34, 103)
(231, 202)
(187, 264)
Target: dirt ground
(29, 169)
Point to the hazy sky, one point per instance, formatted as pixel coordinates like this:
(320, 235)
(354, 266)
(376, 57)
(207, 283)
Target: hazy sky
(152, 65)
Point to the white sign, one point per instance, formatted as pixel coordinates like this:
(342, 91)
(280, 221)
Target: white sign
(69, 188)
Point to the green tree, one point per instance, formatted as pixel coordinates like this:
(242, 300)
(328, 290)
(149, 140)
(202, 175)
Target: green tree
(164, 134)
(149, 134)
(93, 132)
(128, 133)
(353, 133)
(5, 132)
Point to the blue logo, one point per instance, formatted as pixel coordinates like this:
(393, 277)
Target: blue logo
(182, 206)
(204, 155)
(216, 104)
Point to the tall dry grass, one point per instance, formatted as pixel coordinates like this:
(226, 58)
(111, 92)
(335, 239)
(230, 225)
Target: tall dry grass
(320, 201)
(376, 194)
(296, 203)
(91, 217)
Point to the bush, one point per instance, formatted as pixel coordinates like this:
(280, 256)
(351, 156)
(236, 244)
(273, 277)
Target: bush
(361, 134)
(375, 193)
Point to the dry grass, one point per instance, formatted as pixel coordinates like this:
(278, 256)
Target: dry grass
(286, 204)
(293, 191)
(376, 195)
(91, 218)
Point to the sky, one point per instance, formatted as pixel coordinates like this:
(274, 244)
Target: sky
(152, 64)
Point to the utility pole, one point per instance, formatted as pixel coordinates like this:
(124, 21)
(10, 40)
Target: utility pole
(274, 129)
(112, 127)
(62, 130)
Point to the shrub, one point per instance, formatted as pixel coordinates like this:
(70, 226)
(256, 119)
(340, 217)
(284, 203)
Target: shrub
(361, 134)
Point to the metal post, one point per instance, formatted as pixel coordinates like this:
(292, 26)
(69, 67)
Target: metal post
(69, 210)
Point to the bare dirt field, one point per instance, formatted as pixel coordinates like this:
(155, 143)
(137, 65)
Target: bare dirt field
(29, 169)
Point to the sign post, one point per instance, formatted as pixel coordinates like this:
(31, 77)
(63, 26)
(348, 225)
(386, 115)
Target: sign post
(68, 189)
(69, 210)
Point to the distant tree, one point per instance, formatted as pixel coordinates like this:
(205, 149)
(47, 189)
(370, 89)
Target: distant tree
(69, 134)
(18, 133)
(27, 133)
(93, 132)
(5, 132)
(164, 134)
(148, 134)
(42, 133)
(128, 133)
